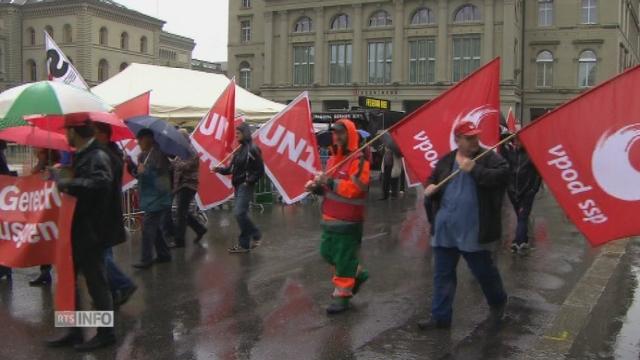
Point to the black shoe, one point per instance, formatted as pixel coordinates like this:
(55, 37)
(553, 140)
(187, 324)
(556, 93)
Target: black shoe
(161, 260)
(124, 296)
(98, 341)
(6, 273)
(497, 313)
(43, 279)
(143, 265)
(338, 306)
(199, 237)
(176, 245)
(431, 324)
(71, 338)
(238, 250)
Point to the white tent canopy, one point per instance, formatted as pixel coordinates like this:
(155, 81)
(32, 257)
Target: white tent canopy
(181, 94)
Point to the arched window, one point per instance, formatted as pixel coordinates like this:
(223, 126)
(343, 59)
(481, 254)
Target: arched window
(303, 25)
(123, 66)
(587, 69)
(49, 30)
(544, 63)
(103, 70)
(32, 70)
(467, 13)
(31, 36)
(67, 34)
(341, 22)
(380, 18)
(124, 41)
(423, 16)
(144, 46)
(104, 36)
(245, 75)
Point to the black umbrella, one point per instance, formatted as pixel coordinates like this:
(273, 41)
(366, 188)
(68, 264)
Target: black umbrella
(169, 139)
(387, 140)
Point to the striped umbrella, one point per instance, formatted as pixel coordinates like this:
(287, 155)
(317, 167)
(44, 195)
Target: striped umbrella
(46, 98)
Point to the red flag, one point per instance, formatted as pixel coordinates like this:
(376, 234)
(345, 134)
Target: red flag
(426, 135)
(588, 152)
(214, 139)
(411, 177)
(35, 229)
(289, 149)
(132, 150)
(137, 106)
(511, 122)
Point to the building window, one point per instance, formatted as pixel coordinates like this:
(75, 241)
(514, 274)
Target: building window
(587, 69)
(245, 75)
(245, 31)
(103, 70)
(123, 66)
(303, 25)
(32, 71)
(104, 36)
(467, 13)
(49, 30)
(31, 36)
(544, 63)
(144, 45)
(303, 63)
(124, 41)
(246, 4)
(589, 12)
(545, 12)
(422, 61)
(423, 16)
(67, 34)
(380, 56)
(341, 22)
(340, 59)
(380, 18)
(466, 55)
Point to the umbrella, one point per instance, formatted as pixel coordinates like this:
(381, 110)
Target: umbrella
(48, 98)
(388, 141)
(119, 129)
(170, 140)
(36, 137)
(363, 133)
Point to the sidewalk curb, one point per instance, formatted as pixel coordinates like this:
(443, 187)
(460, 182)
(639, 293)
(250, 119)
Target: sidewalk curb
(578, 310)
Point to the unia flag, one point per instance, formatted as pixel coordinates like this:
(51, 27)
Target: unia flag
(289, 149)
(588, 153)
(59, 68)
(426, 135)
(214, 140)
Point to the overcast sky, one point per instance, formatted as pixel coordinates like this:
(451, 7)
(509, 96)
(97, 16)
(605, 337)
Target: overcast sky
(205, 21)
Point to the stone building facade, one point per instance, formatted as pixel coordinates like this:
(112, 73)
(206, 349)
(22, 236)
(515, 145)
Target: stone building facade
(100, 37)
(409, 51)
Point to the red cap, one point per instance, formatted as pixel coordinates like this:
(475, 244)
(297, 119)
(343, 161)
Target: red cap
(466, 128)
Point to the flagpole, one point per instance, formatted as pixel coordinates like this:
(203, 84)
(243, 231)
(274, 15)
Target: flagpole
(481, 155)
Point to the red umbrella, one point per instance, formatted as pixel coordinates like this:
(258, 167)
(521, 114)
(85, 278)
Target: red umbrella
(119, 131)
(36, 137)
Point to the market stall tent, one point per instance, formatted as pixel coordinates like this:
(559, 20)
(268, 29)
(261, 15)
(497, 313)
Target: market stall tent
(182, 95)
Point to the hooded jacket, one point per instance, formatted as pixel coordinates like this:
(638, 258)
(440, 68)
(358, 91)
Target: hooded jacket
(246, 165)
(348, 185)
(524, 180)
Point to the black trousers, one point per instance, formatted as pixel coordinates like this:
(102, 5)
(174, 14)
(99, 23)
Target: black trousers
(90, 263)
(389, 184)
(184, 217)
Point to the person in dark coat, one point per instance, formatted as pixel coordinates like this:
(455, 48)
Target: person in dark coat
(246, 169)
(524, 183)
(122, 287)
(5, 272)
(185, 186)
(465, 217)
(92, 186)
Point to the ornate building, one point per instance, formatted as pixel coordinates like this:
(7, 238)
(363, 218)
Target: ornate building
(101, 37)
(409, 51)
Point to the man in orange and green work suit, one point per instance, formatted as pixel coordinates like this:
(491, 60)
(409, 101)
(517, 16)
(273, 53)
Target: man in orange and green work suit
(345, 191)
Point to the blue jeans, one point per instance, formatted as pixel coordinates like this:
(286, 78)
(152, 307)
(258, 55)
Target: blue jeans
(248, 229)
(445, 280)
(153, 236)
(116, 278)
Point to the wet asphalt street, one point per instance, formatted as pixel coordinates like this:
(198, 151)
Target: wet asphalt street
(269, 304)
